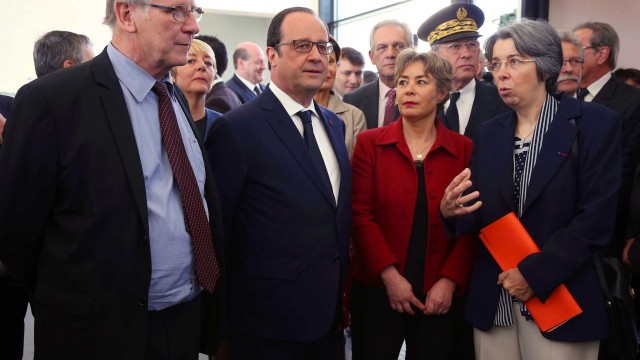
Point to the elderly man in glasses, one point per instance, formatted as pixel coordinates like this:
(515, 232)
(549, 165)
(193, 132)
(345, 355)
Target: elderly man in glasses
(572, 59)
(453, 34)
(110, 216)
(285, 185)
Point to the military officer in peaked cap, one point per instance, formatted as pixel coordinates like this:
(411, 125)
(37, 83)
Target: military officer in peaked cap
(453, 34)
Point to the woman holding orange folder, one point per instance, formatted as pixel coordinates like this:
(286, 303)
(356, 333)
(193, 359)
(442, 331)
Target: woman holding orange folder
(556, 163)
(407, 275)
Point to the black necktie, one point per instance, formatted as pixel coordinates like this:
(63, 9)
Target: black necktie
(314, 149)
(257, 90)
(206, 264)
(582, 93)
(451, 117)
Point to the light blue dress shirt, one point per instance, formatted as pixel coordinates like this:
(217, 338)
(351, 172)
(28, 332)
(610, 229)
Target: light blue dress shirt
(172, 269)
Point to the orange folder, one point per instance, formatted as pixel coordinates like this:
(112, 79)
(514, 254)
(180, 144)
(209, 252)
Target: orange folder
(508, 242)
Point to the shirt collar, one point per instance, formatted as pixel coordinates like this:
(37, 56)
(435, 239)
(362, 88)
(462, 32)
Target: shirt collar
(246, 82)
(290, 106)
(132, 76)
(468, 91)
(384, 89)
(597, 85)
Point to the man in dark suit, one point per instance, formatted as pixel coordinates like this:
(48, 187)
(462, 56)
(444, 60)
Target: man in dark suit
(285, 186)
(601, 45)
(452, 33)
(110, 223)
(377, 99)
(249, 62)
(220, 98)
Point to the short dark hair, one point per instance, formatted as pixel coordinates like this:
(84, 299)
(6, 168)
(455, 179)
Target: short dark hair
(626, 74)
(336, 47)
(274, 33)
(353, 56)
(55, 47)
(219, 50)
(239, 53)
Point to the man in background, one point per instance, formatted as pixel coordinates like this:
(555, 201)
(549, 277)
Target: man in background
(572, 59)
(453, 34)
(349, 74)
(249, 62)
(377, 100)
(220, 98)
(56, 50)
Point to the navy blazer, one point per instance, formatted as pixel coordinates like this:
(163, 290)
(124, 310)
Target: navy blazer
(288, 239)
(242, 91)
(221, 98)
(74, 221)
(569, 211)
(366, 98)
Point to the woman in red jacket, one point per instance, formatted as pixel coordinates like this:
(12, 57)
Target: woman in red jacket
(407, 275)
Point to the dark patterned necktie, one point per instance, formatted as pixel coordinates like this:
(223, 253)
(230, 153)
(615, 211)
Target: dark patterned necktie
(390, 107)
(582, 93)
(257, 90)
(451, 117)
(206, 264)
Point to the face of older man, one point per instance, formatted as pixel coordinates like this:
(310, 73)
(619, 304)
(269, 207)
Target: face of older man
(388, 41)
(162, 42)
(253, 68)
(299, 74)
(571, 72)
(464, 57)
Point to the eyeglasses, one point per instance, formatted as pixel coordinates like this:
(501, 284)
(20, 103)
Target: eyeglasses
(574, 61)
(589, 47)
(456, 47)
(305, 46)
(383, 47)
(496, 65)
(181, 12)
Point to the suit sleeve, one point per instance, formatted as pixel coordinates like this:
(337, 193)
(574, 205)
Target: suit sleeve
(598, 177)
(29, 165)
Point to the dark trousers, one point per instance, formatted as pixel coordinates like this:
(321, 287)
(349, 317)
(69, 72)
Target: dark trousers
(377, 332)
(250, 348)
(13, 307)
(174, 333)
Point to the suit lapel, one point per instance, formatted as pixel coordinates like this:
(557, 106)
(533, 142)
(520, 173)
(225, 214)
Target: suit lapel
(284, 128)
(336, 136)
(117, 115)
(606, 94)
(481, 104)
(502, 158)
(555, 150)
(370, 106)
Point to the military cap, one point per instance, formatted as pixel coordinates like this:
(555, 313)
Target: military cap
(456, 21)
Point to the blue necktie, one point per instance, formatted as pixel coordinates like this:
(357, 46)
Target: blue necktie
(314, 149)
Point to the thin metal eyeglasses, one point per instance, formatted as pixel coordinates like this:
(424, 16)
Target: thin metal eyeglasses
(305, 46)
(181, 12)
(496, 65)
(456, 47)
(574, 61)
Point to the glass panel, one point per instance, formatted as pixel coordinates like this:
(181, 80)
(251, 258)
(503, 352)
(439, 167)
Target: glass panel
(495, 14)
(348, 8)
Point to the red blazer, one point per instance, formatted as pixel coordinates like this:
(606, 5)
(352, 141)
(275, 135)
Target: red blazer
(384, 195)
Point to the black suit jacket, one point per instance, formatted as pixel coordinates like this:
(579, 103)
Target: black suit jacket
(221, 98)
(487, 104)
(242, 91)
(6, 103)
(625, 100)
(288, 236)
(367, 98)
(73, 217)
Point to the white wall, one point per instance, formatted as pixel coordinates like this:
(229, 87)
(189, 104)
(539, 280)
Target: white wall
(621, 14)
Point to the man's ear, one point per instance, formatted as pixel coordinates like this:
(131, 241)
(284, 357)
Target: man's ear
(124, 16)
(603, 55)
(67, 63)
(272, 55)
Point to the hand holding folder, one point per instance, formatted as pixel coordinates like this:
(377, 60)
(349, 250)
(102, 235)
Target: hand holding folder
(508, 242)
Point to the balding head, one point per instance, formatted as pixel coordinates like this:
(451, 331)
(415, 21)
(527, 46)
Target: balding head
(249, 62)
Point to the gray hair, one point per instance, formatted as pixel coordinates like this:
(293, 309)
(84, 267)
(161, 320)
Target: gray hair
(603, 35)
(568, 37)
(55, 47)
(110, 13)
(392, 22)
(534, 38)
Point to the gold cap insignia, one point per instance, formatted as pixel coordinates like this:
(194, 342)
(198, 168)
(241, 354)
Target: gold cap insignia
(461, 24)
(462, 13)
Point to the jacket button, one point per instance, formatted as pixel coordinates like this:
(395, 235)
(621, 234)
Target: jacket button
(141, 301)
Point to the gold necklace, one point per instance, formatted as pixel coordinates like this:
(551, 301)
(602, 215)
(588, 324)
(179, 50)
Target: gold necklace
(419, 155)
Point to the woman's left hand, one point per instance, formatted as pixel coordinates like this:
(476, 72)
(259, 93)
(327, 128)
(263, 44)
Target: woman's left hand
(439, 297)
(516, 285)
